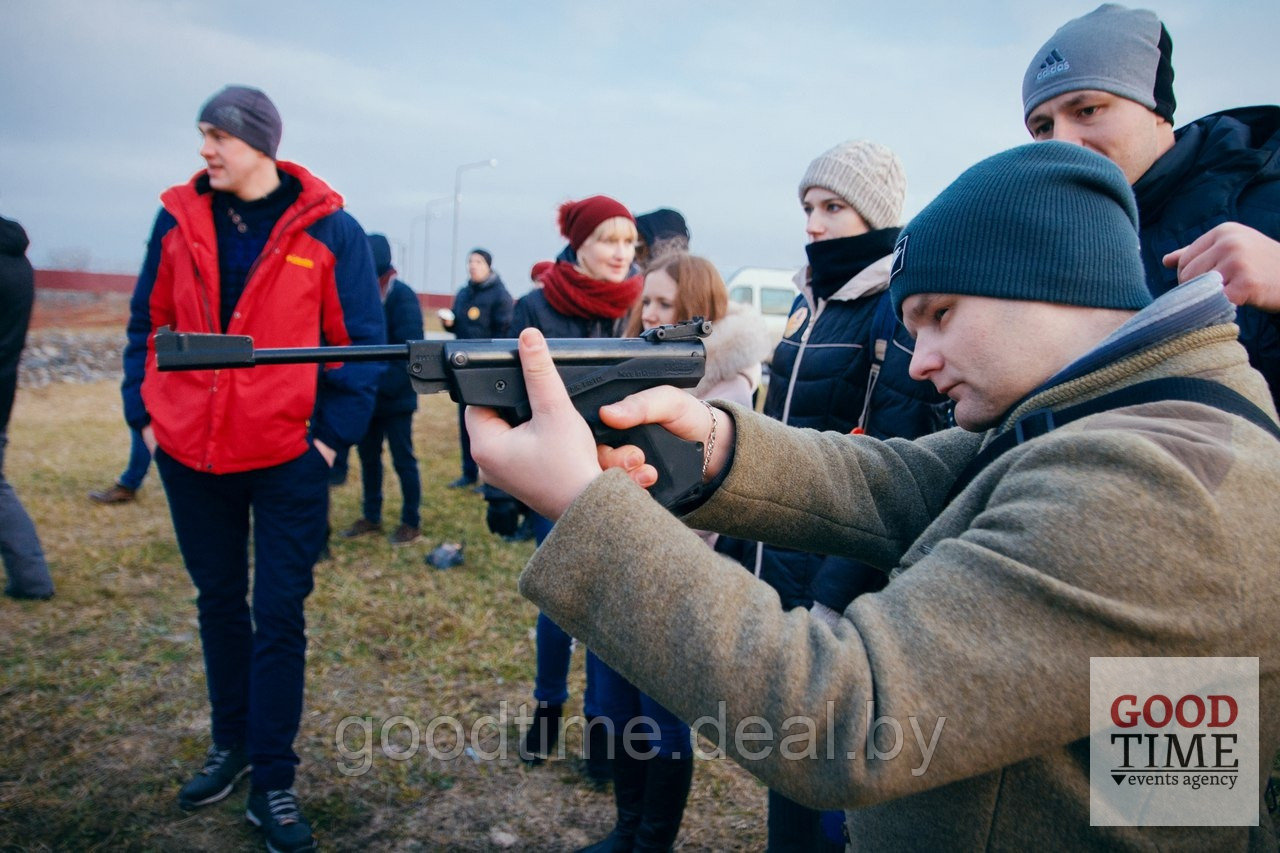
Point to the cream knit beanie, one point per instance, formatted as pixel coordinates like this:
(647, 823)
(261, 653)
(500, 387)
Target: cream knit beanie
(867, 175)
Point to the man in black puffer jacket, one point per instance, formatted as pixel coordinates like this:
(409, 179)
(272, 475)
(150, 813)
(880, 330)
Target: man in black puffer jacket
(481, 309)
(24, 561)
(1208, 193)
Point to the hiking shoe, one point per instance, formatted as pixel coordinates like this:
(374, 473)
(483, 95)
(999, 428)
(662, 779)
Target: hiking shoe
(117, 494)
(223, 768)
(404, 534)
(360, 528)
(277, 814)
(462, 482)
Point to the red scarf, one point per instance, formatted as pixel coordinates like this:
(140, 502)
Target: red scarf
(576, 294)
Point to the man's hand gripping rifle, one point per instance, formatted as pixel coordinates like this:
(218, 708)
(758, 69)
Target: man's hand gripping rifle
(596, 371)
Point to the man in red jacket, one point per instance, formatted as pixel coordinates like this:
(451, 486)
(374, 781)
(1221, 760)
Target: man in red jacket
(252, 246)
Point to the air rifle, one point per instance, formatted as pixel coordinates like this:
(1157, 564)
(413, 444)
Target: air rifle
(482, 372)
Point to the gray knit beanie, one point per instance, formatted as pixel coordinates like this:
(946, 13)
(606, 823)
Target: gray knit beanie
(1126, 52)
(867, 175)
(246, 114)
(1047, 222)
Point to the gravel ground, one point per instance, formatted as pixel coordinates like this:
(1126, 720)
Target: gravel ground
(70, 355)
(74, 337)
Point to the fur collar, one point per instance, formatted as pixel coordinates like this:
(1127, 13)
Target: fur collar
(738, 343)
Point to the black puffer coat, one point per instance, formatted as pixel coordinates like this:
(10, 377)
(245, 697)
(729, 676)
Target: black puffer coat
(819, 378)
(534, 310)
(17, 293)
(1224, 167)
(482, 310)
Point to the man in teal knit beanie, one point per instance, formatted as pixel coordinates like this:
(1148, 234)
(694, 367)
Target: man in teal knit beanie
(1107, 496)
(1052, 222)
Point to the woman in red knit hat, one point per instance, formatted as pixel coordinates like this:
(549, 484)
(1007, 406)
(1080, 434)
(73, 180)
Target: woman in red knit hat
(583, 294)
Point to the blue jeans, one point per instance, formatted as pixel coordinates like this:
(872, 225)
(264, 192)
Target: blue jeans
(621, 702)
(253, 659)
(24, 562)
(139, 461)
(470, 470)
(397, 429)
(555, 651)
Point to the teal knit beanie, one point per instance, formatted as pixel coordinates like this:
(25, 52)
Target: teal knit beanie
(1046, 222)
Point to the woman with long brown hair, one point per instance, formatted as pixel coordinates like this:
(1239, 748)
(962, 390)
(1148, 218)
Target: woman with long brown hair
(653, 764)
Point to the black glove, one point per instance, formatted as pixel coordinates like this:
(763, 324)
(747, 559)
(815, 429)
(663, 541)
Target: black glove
(503, 516)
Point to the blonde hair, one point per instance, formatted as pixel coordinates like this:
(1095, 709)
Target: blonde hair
(614, 228)
(700, 291)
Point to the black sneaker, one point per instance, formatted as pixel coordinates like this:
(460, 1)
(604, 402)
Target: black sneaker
(223, 768)
(277, 814)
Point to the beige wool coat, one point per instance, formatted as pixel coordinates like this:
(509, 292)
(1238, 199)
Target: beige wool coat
(1152, 530)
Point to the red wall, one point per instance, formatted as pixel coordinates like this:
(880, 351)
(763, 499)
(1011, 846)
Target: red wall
(101, 282)
(435, 301)
(94, 282)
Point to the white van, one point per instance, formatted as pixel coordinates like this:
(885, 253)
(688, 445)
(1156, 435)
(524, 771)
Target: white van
(770, 290)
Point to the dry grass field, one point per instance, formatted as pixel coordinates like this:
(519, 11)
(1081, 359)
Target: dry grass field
(102, 706)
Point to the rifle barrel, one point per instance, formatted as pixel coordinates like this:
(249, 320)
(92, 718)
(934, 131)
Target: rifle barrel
(312, 355)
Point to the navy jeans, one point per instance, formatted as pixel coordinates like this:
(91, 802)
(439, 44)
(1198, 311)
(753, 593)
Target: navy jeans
(139, 462)
(397, 429)
(621, 702)
(555, 651)
(470, 470)
(254, 660)
(24, 562)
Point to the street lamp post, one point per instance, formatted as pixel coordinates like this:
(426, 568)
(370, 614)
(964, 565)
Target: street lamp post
(400, 249)
(413, 241)
(457, 203)
(426, 243)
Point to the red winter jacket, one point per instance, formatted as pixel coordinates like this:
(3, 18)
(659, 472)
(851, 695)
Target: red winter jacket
(313, 285)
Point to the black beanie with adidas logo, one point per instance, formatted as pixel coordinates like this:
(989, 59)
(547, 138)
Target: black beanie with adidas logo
(1047, 222)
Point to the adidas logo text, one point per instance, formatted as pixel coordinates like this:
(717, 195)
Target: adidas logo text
(1053, 64)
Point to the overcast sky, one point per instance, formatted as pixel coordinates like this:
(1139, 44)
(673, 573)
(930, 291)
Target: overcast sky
(713, 108)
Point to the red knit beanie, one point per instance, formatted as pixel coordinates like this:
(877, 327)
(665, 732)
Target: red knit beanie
(578, 219)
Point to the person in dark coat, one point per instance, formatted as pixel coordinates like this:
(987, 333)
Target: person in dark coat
(392, 420)
(481, 309)
(1208, 193)
(24, 561)
(662, 232)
